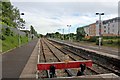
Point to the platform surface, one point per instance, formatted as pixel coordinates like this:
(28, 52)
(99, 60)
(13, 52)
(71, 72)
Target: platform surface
(90, 49)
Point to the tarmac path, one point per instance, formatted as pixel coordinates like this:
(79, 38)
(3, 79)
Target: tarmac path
(13, 62)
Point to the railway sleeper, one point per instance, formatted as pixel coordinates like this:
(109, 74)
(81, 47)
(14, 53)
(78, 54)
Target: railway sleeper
(70, 73)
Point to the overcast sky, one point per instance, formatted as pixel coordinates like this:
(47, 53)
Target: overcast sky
(50, 15)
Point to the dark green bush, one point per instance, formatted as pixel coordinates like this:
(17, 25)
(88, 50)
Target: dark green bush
(111, 37)
(92, 39)
(109, 42)
(12, 34)
(85, 39)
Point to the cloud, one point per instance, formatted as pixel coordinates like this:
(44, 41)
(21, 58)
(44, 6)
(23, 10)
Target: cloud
(50, 16)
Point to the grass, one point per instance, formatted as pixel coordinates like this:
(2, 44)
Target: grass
(111, 43)
(12, 41)
(106, 42)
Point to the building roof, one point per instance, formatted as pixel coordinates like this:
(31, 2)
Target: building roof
(111, 20)
(104, 22)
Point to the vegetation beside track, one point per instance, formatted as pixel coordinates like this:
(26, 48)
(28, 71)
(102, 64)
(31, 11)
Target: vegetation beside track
(108, 41)
(11, 24)
(11, 42)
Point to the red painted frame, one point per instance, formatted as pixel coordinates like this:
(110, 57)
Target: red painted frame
(64, 65)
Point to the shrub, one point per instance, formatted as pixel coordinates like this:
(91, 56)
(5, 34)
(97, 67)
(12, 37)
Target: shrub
(111, 37)
(85, 39)
(12, 34)
(92, 39)
(110, 42)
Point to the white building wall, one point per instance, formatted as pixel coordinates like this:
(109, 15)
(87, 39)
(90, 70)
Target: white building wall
(111, 28)
(108, 28)
(97, 29)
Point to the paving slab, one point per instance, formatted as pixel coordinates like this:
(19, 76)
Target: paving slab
(29, 70)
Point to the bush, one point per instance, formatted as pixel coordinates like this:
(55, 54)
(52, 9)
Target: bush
(111, 37)
(92, 39)
(12, 34)
(110, 42)
(85, 39)
(118, 42)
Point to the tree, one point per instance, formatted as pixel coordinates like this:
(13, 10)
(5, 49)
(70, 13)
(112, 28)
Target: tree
(72, 36)
(32, 31)
(57, 35)
(7, 12)
(10, 15)
(80, 33)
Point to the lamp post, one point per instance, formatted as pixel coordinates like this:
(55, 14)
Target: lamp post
(100, 39)
(69, 31)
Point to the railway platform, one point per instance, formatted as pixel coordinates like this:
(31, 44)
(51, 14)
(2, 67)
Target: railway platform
(14, 61)
(88, 49)
(29, 70)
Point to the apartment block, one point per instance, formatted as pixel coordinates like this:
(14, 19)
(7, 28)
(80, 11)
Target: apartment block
(92, 29)
(109, 27)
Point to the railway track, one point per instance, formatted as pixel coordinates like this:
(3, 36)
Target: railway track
(76, 58)
(108, 68)
(42, 59)
(49, 56)
(57, 53)
(60, 57)
(71, 72)
(100, 68)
